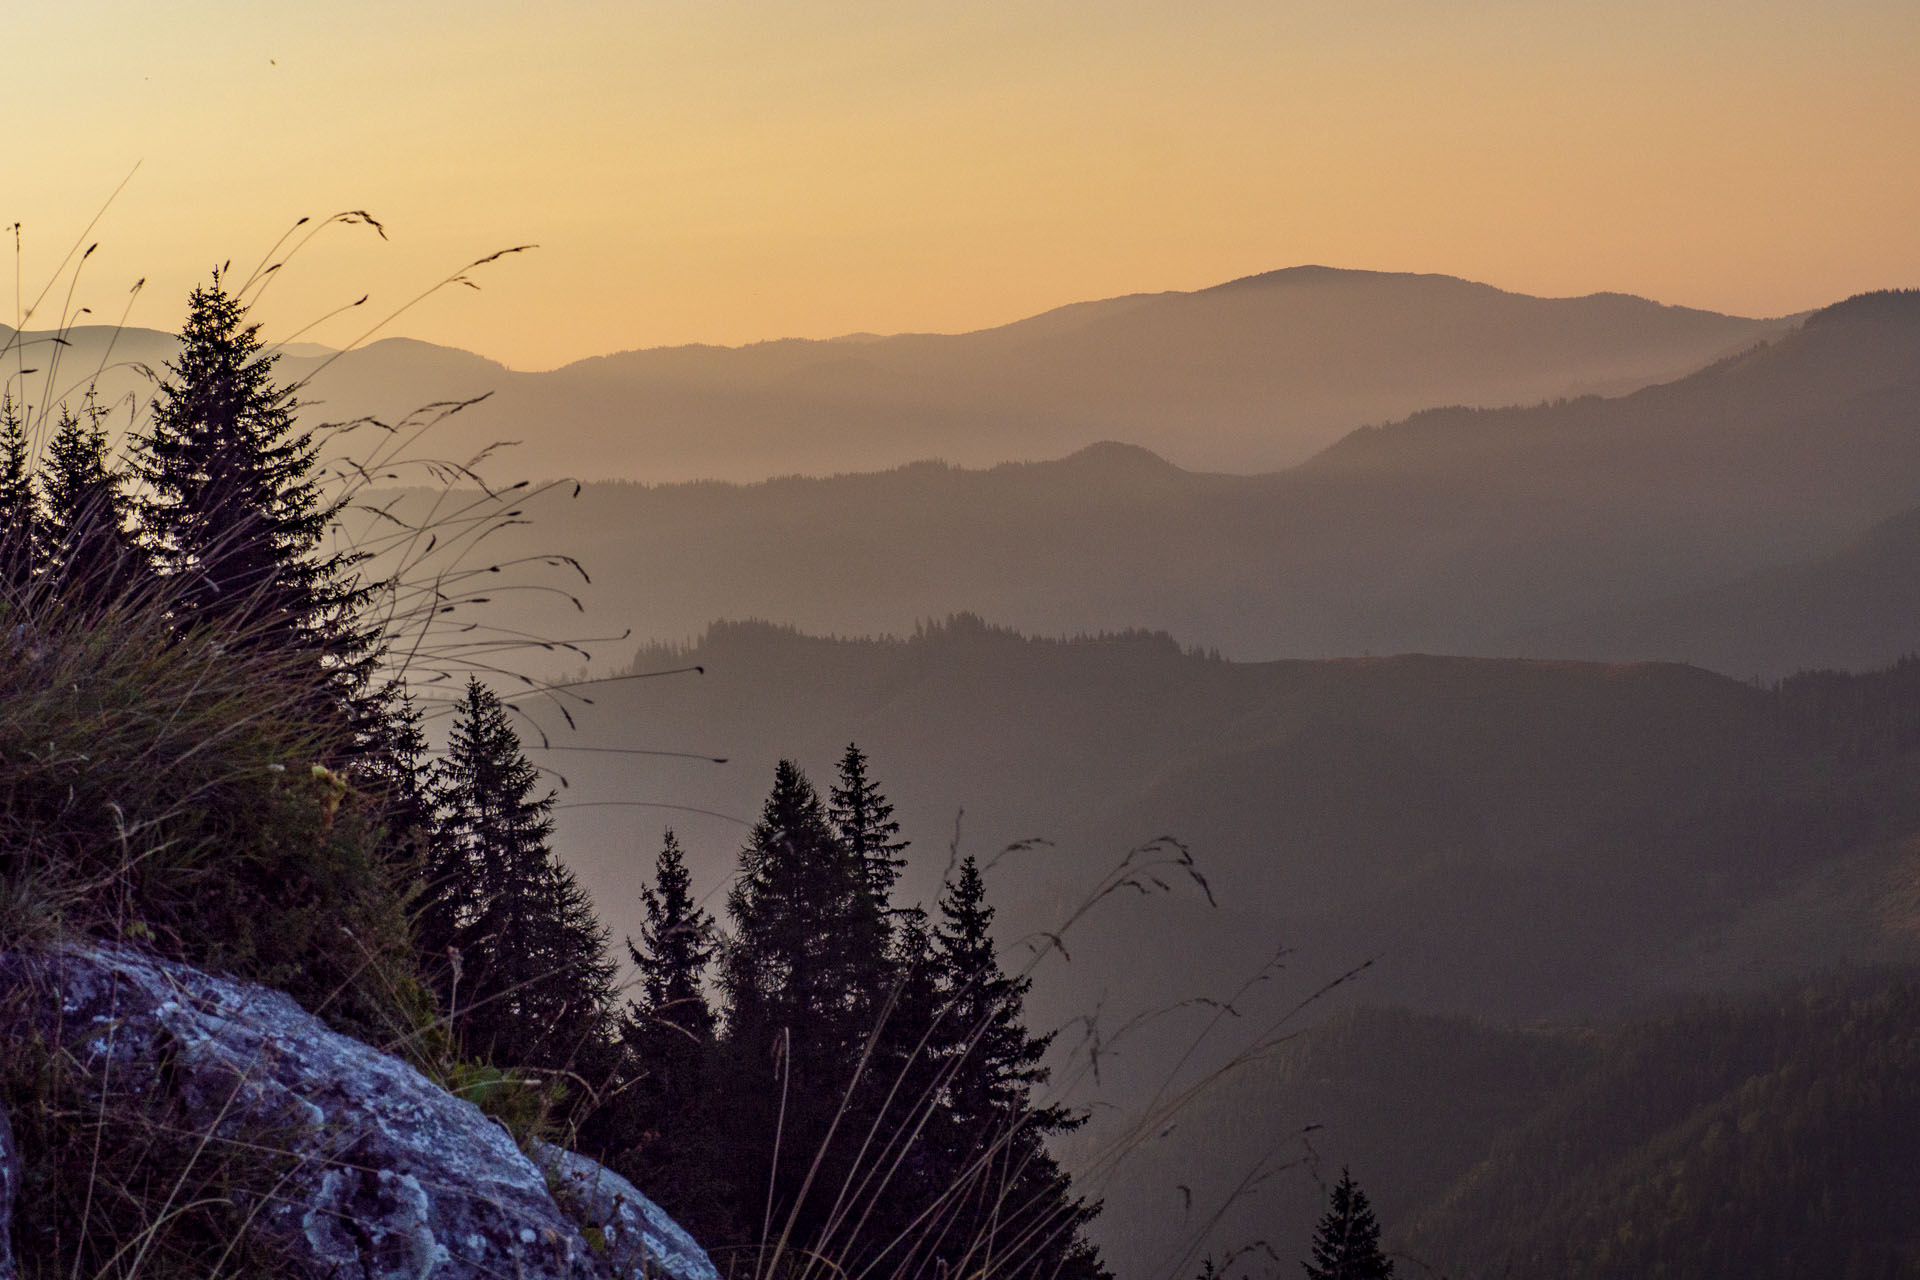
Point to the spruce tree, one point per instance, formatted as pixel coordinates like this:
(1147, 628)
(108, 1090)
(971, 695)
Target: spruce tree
(912, 1128)
(233, 512)
(1015, 1210)
(398, 769)
(799, 974)
(677, 942)
(1346, 1243)
(90, 558)
(807, 940)
(863, 819)
(661, 1126)
(529, 982)
(19, 505)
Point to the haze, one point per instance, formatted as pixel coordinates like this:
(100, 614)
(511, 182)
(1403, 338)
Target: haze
(722, 173)
(1448, 471)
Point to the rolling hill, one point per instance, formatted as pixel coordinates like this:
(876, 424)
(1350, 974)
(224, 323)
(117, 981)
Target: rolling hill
(1497, 532)
(1246, 376)
(1508, 841)
(1504, 838)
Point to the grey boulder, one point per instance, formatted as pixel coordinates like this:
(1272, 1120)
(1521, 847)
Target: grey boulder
(394, 1178)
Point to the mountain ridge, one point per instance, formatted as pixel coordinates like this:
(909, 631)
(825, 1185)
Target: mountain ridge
(1452, 531)
(1241, 377)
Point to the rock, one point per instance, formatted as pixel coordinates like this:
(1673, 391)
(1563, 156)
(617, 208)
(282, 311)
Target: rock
(638, 1236)
(394, 1178)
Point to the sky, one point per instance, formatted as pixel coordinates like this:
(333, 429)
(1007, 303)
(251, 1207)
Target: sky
(717, 171)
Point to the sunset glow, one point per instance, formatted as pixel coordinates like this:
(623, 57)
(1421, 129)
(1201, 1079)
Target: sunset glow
(726, 173)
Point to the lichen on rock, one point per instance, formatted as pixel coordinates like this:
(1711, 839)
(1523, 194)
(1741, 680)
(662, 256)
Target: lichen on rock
(391, 1177)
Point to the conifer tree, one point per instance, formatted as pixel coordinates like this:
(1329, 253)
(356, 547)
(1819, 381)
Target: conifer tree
(677, 943)
(1016, 1212)
(806, 936)
(530, 983)
(799, 975)
(89, 555)
(232, 509)
(1346, 1243)
(398, 768)
(863, 819)
(912, 1126)
(662, 1124)
(19, 505)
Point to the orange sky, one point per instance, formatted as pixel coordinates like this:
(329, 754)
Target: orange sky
(705, 170)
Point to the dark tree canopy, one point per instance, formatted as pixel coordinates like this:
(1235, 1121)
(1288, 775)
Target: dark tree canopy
(676, 945)
(1346, 1243)
(808, 941)
(863, 819)
(233, 511)
(90, 556)
(19, 503)
(1014, 1200)
(666, 1112)
(528, 980)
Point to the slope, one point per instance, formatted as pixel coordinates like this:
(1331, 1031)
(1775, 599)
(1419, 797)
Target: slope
(1502, 838)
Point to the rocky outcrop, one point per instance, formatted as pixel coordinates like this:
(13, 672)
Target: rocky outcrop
(392, 1177)
(636, 1234)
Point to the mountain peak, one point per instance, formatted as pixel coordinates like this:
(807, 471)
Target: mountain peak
(1112, 455)
(1312, 273)
(1883, 306)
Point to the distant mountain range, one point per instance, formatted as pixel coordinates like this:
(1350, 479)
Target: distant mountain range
(1246, 376)
(1753, 516)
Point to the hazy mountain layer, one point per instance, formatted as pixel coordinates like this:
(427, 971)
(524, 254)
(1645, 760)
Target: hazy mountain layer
(1245, 376)
(1855, 608)
(1452, 531)
(1506, 838)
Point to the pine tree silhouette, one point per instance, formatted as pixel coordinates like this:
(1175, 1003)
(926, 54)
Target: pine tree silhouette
(805, 974)
(19, 504)
(532, 983)
(90, 558)
(863, 819)
(662, 1124)
(677, 943)
(1346, 1243)
(1017, 1213)
(232, 510)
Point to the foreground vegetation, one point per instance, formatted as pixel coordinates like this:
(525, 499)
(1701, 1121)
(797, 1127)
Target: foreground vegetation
(211, 746)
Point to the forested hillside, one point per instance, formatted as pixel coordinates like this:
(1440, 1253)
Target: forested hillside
(1503, 838)
(214, 756)
(1729, 1136)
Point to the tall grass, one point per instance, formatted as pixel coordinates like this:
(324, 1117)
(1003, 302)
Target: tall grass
(171, 786)
(193, 788)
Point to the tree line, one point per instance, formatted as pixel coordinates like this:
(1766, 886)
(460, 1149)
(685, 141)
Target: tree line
(832, 1075)
(832, 1080)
